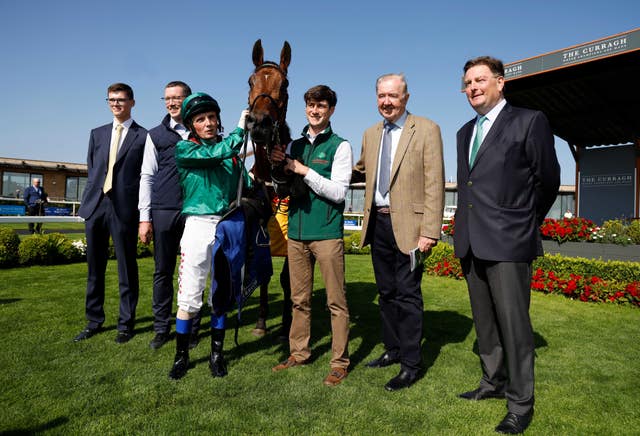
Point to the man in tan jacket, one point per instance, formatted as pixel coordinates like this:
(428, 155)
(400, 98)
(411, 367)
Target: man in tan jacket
(402, 165)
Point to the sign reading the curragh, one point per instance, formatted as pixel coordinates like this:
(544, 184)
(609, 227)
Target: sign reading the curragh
(624, 42)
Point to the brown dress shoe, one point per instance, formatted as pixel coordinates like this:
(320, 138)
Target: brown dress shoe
(289, 363)
(336, 376)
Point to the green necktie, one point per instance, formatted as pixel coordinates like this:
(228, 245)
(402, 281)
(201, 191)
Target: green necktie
(477, 140)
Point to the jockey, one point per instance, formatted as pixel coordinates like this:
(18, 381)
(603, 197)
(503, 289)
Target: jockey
(209, 172)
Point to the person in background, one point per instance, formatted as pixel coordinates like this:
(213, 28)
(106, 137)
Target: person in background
(34, 199)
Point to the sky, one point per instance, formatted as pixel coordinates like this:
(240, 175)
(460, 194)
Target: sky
(58, 58)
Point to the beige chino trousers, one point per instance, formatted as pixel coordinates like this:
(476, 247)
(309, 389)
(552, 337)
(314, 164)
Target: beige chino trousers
(329, 255)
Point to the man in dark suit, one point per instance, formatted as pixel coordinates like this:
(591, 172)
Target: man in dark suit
(402, 165)
(110, 207)
(35, 199)
(160, 205)
(508, 179)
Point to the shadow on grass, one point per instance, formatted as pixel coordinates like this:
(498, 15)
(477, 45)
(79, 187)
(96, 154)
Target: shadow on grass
(9, 300)
(442, 328)
(39, 428)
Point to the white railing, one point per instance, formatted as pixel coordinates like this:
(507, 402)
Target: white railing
(40, 219)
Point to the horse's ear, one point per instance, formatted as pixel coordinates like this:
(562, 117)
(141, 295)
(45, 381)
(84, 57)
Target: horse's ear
(285, 56)
(258, 53)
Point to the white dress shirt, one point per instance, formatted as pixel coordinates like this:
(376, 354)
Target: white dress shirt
(380, 200)
(488, 123)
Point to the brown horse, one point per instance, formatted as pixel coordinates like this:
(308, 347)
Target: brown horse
(266, 122)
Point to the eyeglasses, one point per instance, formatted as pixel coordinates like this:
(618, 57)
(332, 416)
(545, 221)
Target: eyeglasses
(170, 99)
(117, 100)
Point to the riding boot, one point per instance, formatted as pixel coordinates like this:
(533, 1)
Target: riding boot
(181, 360)
(195, 329)
(216, 362)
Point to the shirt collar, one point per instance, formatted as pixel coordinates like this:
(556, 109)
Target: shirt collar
(173, 123)
(400, 121)
(312, 138)
(493, 113)
(127, 124)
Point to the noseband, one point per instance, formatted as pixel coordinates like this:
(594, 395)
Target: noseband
(275, 138)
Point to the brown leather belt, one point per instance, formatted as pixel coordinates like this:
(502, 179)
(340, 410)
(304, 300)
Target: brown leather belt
(385, 210)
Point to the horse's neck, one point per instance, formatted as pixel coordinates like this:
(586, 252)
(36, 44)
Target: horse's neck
(262, 166)
(285, 133)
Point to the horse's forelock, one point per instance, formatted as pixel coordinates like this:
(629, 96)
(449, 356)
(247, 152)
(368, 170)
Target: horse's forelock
(273, 84)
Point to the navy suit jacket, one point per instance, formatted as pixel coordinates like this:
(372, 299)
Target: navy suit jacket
(504, 197)
(31, 195)
(126, 172)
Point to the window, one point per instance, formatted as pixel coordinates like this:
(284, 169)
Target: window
(74, 188)
(564, 202)
(450, 198)
(14, 184)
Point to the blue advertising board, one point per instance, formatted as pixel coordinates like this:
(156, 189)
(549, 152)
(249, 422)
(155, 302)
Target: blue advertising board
(12, 209)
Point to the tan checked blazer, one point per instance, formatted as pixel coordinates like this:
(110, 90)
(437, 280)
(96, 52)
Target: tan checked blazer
(417, 181)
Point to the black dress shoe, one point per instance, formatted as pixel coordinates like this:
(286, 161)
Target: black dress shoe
(159, 340)
(384, 360)
(87, 333)
(514, 424)
(401, 381)
(123, 336)
(481, 394)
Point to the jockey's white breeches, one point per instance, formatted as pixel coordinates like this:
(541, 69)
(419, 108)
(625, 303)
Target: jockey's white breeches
(195, 260)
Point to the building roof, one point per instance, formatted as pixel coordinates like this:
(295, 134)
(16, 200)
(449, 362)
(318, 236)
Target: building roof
(30, 164)
(589, 92)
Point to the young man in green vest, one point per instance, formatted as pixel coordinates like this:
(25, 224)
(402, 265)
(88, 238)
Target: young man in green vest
(324, 161)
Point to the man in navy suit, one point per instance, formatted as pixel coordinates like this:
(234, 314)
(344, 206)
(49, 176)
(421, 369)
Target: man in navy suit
(508, 179)
(35, 199)
(110, 207)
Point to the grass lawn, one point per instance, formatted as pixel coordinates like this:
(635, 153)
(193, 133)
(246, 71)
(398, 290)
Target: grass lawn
(587, 368)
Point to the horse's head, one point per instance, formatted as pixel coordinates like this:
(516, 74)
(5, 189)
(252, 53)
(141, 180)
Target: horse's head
(268, 96)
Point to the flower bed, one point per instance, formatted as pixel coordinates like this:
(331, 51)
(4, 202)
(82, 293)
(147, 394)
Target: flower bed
(586, 288)
(584, 230)
(576, 278)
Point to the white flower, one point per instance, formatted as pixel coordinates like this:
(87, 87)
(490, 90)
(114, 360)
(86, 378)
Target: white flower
(80, 246)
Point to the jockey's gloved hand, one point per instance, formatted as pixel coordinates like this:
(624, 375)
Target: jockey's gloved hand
(243, 118)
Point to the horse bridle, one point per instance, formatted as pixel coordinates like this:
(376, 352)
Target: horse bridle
(275, 136)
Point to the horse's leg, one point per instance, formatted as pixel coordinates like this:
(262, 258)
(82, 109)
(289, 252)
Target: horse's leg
(263, 313)
(286, 304)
